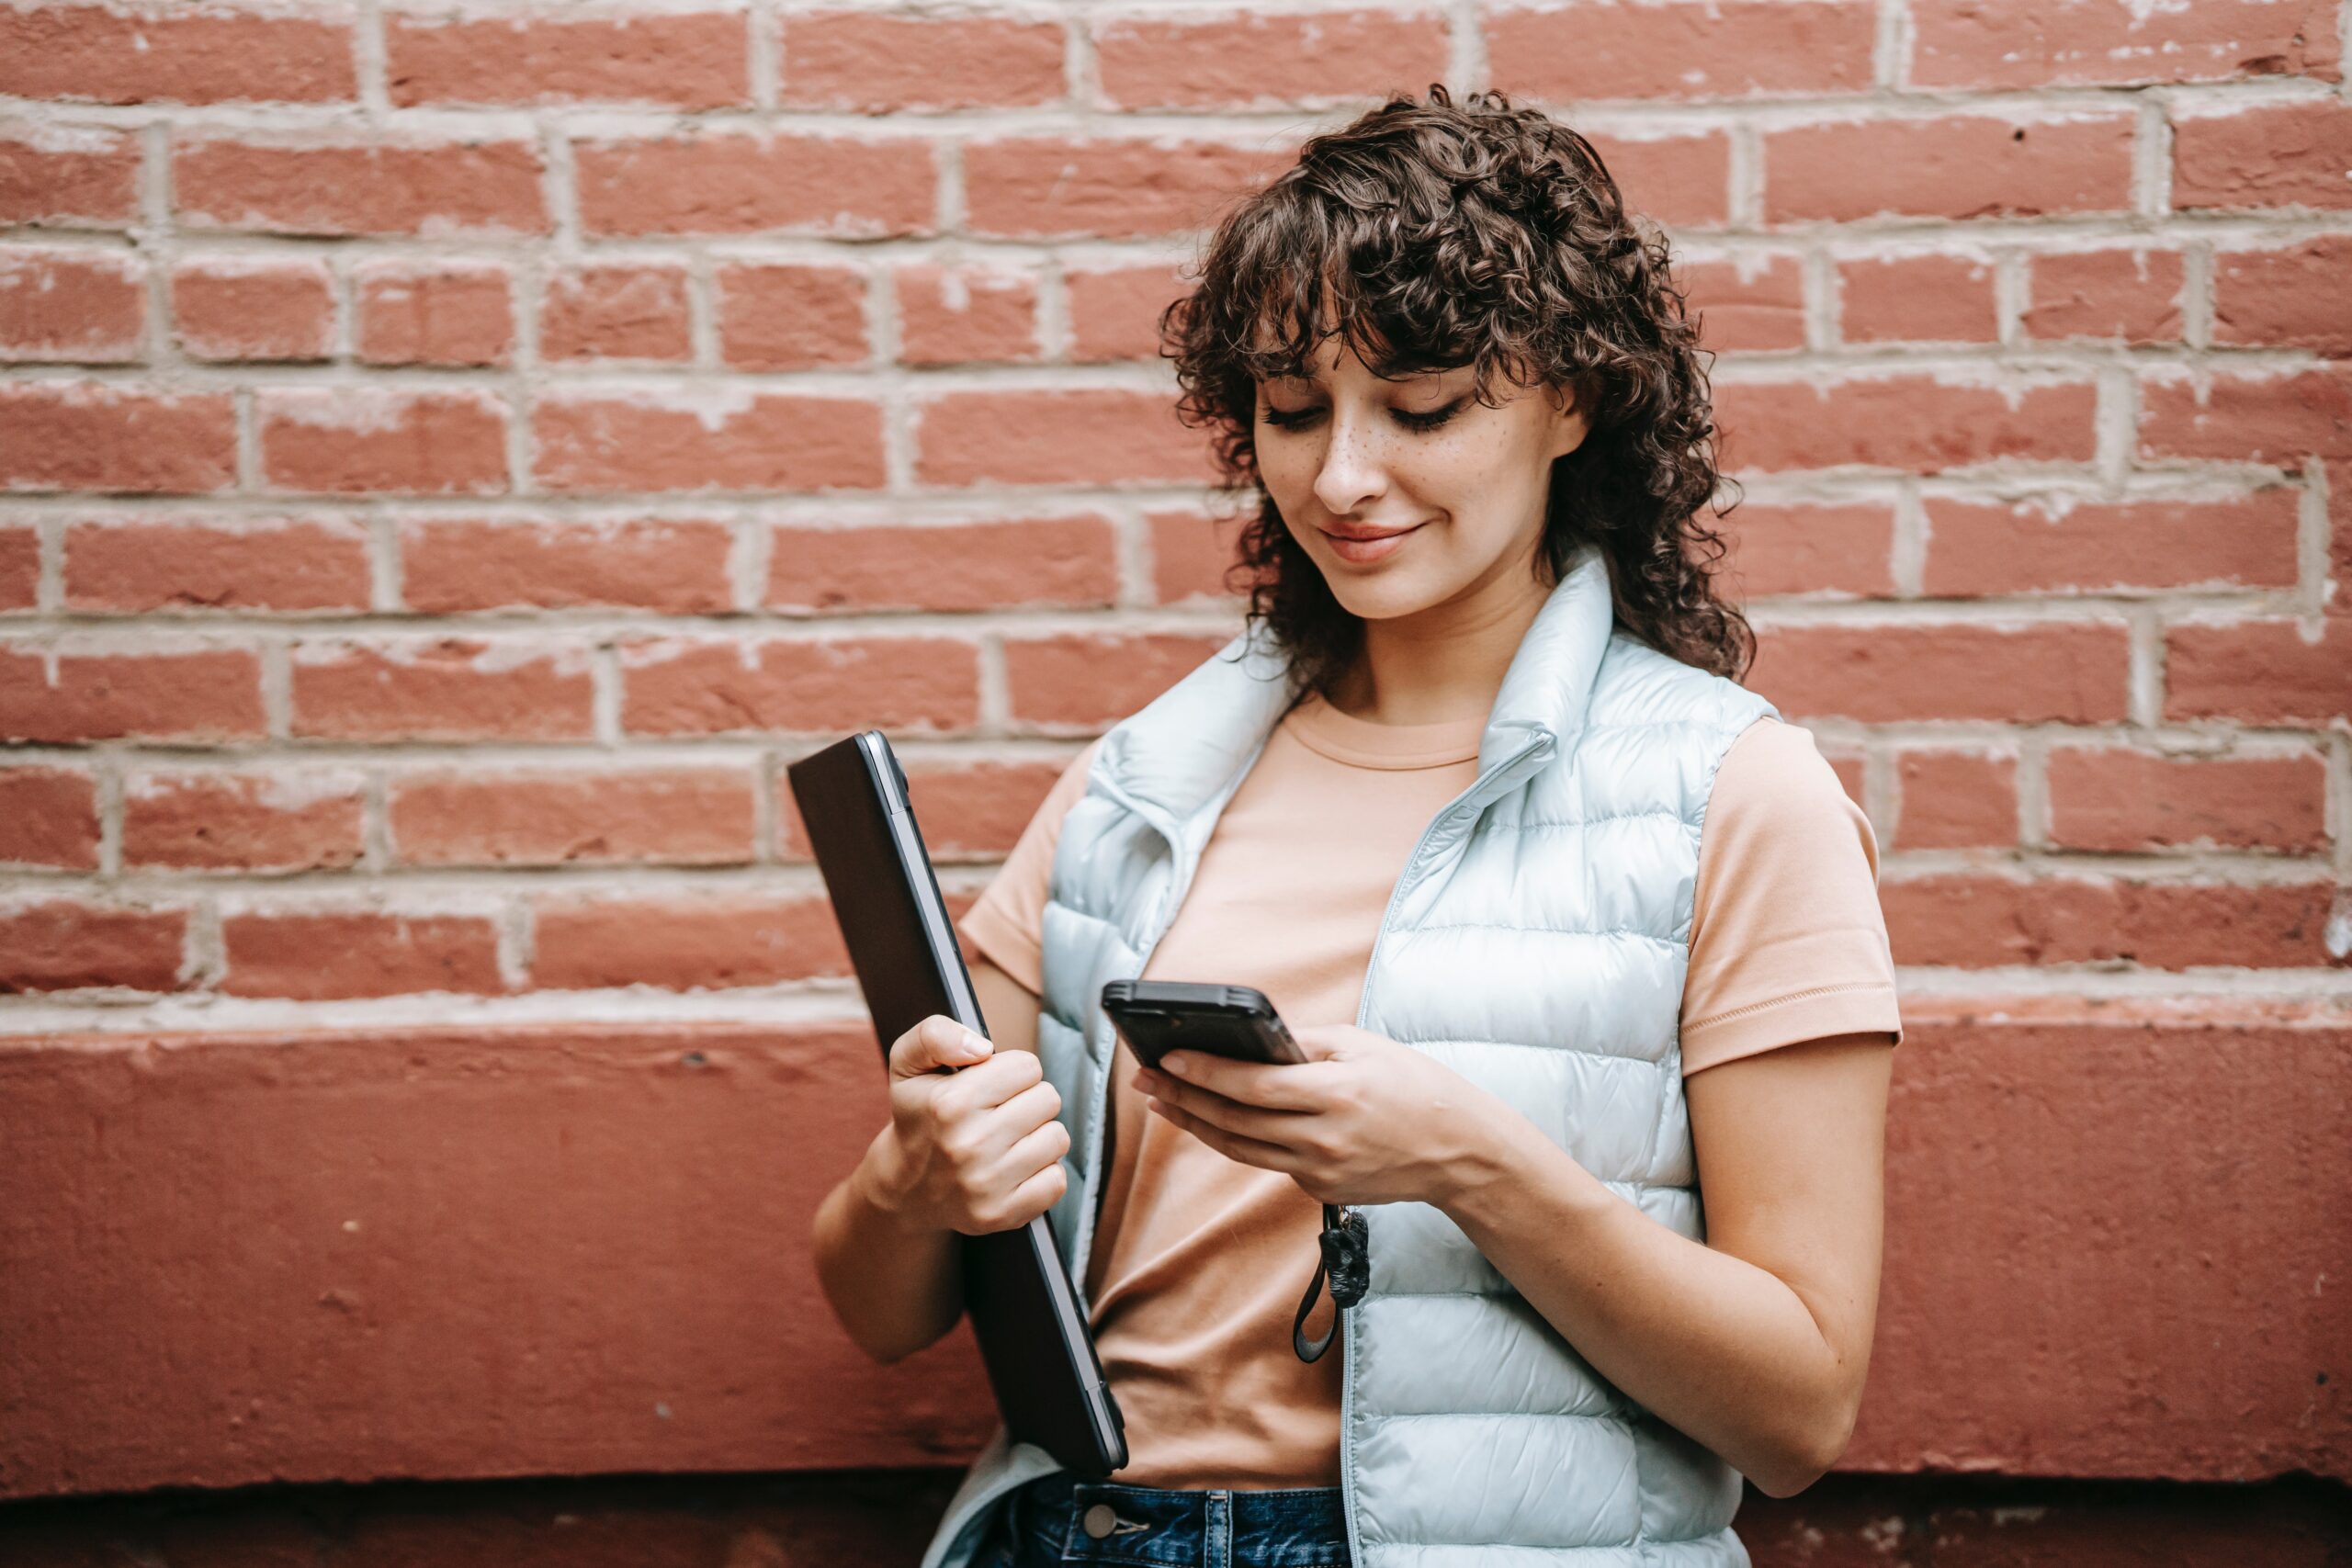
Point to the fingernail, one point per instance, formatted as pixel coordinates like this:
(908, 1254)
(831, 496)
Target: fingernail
(1177, 1064)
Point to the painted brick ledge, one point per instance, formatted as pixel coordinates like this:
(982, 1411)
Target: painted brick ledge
(885, 1517)
(315, 1257)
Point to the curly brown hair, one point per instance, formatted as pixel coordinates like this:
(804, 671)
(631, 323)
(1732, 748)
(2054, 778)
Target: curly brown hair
(1437, 236)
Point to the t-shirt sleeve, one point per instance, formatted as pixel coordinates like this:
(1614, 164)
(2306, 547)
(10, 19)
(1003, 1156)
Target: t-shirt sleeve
(1787, 939)
(1006, 922)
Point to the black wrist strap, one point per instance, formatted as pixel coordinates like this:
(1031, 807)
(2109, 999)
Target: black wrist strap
(1345, 1245)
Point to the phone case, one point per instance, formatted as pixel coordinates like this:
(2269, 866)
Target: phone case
(1158, 1015)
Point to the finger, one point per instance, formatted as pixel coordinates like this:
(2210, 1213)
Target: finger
(1033, 1152)
(1040, 1193)
(938, 1041)
(1003, 1126)
(990, 1084)
(1283, 1085)
(1248, 1151)
(1284, 1127)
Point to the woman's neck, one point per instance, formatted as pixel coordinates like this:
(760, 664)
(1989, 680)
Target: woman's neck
(1438, 665)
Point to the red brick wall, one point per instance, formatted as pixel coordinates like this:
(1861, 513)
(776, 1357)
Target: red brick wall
(449, 463)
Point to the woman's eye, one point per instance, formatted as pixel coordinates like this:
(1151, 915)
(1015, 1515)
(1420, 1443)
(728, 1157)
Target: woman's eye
(1294, 418)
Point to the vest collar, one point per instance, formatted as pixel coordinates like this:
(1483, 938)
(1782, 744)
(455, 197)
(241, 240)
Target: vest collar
(1182, 749)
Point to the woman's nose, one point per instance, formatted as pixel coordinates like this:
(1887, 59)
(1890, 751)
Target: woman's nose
(1353, 467)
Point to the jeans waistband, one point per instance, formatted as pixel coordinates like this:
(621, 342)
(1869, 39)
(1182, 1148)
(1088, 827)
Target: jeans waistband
(1110, 1522)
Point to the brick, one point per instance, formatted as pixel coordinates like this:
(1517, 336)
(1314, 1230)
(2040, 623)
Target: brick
(1808, 549)
(1095, 436)
(80, 175)
(754, 184)
(454, 566)
(2278, 155)
(1745, 308)
(61, 435)
(19, 568)
(286, 820)
(98, 53)
(49, 816)
(1681, 181)
(2115, 799)
(308, 185)
(2169, 1527)
(378, 441)
(1104, 188)
(2042, 673)
(64, 945)
(198, 696)
(1067, 562)
(1256, 60)
(688, 59)
(877, 63)
(77, 307)
(1094, 681)
(1971, 921)
(969, 811)
(2123, 296)
(2094, 546)
(1955, 166)
(1911, 423)
(1194, 554)
(615, 313)
(1691, 49)
(1956, 800)
(964, 315)
(1944, 299)
(443, 314)
(1970, 43)
(333, 956)
(791, 318)
(711, 942)
(706, 686)
(730, 439)
(2261, 673)
(132, 566)
(2278, 419)
(1115, 312)
(2298, 298)
(252, 309)
(643, 816)
(444, 689)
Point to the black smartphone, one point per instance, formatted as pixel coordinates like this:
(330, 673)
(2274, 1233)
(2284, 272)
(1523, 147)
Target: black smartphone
(1159, 1016)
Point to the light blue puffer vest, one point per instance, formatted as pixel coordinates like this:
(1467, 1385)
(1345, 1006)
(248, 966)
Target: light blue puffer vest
(1535, 942)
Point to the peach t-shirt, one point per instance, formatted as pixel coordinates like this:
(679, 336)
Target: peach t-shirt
(1199, 1261)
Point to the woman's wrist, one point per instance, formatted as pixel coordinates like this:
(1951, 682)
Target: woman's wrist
(1506, 1158)
(879, 1183)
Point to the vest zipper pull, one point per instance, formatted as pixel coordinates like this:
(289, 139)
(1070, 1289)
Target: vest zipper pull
(1346, 1258)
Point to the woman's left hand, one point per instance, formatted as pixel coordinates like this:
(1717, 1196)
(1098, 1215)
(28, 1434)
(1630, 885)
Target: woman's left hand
(1364, 1119)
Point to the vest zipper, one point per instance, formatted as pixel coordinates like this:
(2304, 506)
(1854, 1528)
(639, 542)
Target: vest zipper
(1348, 1357)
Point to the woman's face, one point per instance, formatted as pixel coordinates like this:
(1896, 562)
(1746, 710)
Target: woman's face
(1344, 452)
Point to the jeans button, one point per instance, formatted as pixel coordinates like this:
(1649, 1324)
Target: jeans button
(1100, 1520)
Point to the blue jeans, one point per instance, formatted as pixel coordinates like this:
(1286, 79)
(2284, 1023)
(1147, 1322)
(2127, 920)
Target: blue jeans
(1058, 1518)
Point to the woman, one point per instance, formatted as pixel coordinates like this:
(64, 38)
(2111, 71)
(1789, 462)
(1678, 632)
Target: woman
(1567, 921)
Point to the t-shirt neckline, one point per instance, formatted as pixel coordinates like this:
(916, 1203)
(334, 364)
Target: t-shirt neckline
(1364, 743)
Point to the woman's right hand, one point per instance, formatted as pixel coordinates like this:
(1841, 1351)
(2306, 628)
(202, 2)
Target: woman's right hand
(975, 1150)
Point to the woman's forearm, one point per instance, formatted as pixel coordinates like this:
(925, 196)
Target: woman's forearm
(896, 1287)
(1719, 1348)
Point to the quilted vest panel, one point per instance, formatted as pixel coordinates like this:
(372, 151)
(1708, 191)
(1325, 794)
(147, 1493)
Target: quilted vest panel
(1536, 943)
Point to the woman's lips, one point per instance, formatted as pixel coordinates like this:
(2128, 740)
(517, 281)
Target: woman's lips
(1361, 551)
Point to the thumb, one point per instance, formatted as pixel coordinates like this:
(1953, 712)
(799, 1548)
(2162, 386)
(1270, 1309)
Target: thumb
(938, 1041)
